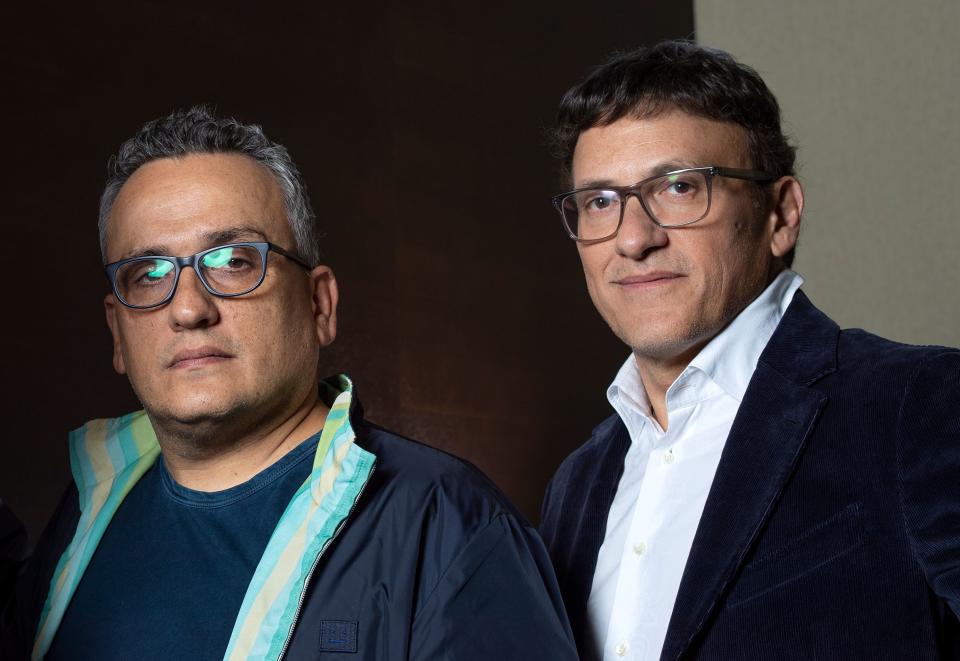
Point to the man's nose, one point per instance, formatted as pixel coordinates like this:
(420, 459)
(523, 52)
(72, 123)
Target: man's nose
(192, 306)
(638, 234)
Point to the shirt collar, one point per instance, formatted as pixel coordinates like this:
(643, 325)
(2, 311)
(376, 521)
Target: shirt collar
(627, 390)
(728, 360)
(731, 357)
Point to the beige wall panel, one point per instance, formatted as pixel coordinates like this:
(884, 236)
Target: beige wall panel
(871, 94)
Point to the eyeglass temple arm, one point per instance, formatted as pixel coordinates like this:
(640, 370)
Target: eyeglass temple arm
(277, 249)
(737, 173)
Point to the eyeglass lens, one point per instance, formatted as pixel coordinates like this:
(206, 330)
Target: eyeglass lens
(672, 200)
(229, 270)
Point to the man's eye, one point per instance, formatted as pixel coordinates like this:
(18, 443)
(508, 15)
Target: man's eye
(218, 258)
(159, 269)
(601, 202)
(679, 185)
(144, 273)
(232, 259)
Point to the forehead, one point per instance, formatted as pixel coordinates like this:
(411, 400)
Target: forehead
(174, 203)
(631, 149)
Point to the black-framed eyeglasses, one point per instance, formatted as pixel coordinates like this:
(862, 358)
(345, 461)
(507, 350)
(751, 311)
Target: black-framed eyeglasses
(229, 270)
(674, 199)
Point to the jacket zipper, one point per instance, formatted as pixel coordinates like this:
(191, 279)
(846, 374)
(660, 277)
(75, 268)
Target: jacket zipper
(316, 561)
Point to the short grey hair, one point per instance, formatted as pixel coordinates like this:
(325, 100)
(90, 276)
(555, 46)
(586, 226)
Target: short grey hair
(198, 131)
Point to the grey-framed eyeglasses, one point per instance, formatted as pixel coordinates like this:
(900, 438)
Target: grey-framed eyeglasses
(673, 199)
(229, 270)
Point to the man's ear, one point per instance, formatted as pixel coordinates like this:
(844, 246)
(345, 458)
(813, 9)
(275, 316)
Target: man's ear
(325, 295)
(110, 307)
(785, 215)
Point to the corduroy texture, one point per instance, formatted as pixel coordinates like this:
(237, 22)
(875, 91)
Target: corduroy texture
(832, 529)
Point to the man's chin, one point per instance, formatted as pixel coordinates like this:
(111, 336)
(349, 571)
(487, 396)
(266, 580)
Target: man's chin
(187, 423)
(194, 414)
(667, 346)
(196, 431)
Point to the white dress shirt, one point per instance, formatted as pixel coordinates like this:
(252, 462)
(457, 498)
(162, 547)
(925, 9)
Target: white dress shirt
(667, 476)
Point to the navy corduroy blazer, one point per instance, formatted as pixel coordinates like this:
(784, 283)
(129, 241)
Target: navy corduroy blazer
(832, 527)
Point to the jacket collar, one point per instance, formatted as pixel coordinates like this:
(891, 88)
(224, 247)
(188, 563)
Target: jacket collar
(804, 347)
(769, 432)
(108, 457)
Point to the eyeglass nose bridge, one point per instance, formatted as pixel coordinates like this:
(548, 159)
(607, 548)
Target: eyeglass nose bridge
(181, 264)
(625, 196)
(192, 261)
(637, 192)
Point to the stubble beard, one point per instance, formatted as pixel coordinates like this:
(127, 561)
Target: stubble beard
(684, 339)
(208, 428)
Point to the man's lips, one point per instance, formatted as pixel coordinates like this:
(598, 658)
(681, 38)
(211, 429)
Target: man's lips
(644, 280)
(198, 357)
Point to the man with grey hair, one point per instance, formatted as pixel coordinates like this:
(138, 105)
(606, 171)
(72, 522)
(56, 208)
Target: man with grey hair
(239, 515)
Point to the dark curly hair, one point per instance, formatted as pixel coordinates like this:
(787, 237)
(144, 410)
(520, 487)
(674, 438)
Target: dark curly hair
(678, 75)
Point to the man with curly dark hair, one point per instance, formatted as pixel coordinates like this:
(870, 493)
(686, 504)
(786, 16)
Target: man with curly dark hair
(769, 486)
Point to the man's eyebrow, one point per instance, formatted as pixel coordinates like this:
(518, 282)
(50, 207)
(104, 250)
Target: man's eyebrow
(596, 183)
(150, 251)
(210, 240)
(231, 234)
(655, 170)
(669, 166)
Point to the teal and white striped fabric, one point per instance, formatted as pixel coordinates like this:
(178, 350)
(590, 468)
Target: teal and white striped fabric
(107, 458)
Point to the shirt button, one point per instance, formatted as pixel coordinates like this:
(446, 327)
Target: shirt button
(639, 548)
(668, 456)
(621, 649)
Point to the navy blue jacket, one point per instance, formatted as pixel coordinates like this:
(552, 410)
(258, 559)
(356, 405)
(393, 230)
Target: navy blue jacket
(432, 564)
(832, 527)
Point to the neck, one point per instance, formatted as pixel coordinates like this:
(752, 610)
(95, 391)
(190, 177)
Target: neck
(235, 459)
(659, 370)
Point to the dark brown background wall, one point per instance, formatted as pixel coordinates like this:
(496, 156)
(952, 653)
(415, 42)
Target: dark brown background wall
(464, 318)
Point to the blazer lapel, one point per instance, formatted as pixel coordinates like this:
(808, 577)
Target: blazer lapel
(775, 418)
(600, 478)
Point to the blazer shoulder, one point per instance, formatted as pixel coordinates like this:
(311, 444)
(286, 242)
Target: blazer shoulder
(859, 349)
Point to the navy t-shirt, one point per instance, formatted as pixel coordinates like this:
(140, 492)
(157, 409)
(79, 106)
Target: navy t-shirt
(168, 577)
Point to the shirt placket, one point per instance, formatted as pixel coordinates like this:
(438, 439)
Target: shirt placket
(636, 623)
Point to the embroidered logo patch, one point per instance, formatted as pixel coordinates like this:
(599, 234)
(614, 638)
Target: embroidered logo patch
(338, 636)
